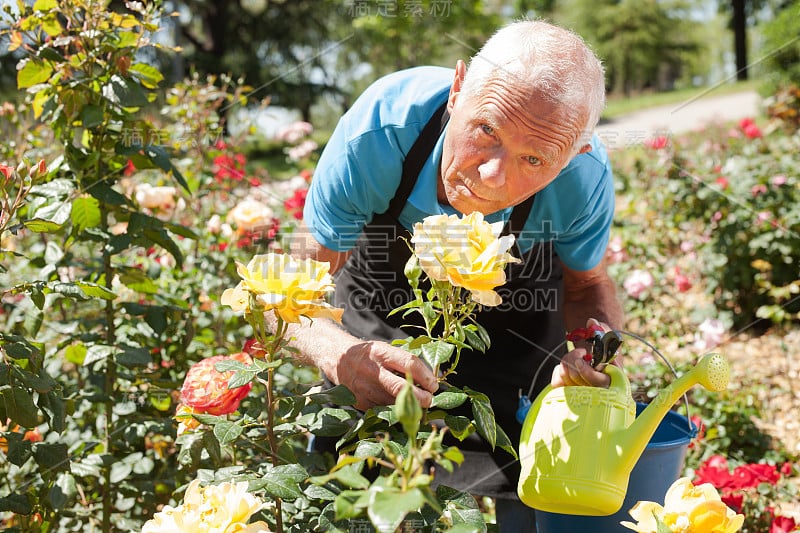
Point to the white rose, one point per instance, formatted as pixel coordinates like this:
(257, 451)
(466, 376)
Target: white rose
(155, 197)
(250, 214)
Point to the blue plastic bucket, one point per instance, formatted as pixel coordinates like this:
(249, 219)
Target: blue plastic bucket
(659, 466)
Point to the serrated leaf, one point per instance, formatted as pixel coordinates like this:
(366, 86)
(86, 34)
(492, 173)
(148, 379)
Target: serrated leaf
(149, 76)
(16, 503)
(388, 508)
(125, 92)
(51, 457)
(241, 378)
(160, 158)
(338, 395)
(283, 481)
(19, 450)
(94, 290)
(474, 340)
(437, 352)
(460, 426)
(131, 357)
(230, 365)
(92, 115)
(62, 491)
(33, 73)
(449, 399)
(85, 212)
(315, 492)
(484, 416)
(227, 432)
(19, 406)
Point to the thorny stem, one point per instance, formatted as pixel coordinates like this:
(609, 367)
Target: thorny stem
(272, 348)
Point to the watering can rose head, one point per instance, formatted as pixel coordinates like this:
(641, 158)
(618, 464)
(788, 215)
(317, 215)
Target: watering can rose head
(687, 508)
(467, 252)
(290, 287)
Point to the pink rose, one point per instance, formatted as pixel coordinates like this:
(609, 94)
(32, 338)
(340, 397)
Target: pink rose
(637, 283)
(710, 333)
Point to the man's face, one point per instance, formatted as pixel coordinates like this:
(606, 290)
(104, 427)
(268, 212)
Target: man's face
(501, 146)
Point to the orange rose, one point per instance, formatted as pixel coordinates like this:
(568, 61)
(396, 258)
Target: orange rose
(205, 390)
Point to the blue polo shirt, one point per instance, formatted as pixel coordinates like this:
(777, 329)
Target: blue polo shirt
(361, 167)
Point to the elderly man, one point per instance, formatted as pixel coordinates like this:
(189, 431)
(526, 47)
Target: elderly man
(510, 137)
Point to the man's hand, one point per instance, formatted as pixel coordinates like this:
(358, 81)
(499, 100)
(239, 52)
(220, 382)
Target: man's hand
(575, 370)
(375, 373)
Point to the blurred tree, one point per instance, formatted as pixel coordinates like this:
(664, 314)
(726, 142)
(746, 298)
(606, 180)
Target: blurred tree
(782, 40)
(644, 43)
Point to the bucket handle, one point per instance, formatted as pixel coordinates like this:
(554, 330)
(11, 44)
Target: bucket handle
(669, 365)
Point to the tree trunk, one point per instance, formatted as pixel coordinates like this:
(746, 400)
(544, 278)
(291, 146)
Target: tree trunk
(739, 27)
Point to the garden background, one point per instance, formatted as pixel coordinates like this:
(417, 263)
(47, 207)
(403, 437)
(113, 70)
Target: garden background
(136, 173)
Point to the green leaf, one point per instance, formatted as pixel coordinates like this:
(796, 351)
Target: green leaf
(227, 432)
(315, 492)
(51, 457)
(49, 218)
(19, 451)
(231, 365)
(75, 353)
(58, 188)
(437, 352)
(159, 156)
(137, 280)
(62, 491)
(16, 503)
(45, 5)
(474, 340)
(241, 378)
(93, 290)
(460, 426)
(349, 503)
(283, 481)
(125, 92)
(388, 508)
(338, 395)
(484, 416)
(449, 399)
(85, 212)
(33, 73)
(131, 357)
(331, 422)
(149, 76)
(161, 238)
(20, 407)
(462, 506)
(51, 25)
(92, 115)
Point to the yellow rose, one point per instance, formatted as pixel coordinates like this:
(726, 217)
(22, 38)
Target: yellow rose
(687, 509)
(224, 508)
(290, 287)
(467, 252)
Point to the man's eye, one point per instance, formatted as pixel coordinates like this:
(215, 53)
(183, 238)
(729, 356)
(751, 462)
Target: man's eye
(533, 160)
(488, 130)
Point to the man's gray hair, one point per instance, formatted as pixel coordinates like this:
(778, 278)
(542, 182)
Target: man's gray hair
(551, 61)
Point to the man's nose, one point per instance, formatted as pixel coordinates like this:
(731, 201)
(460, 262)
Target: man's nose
(493, 171)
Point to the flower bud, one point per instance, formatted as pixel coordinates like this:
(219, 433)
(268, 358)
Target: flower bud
(408, 410)
(412, 271)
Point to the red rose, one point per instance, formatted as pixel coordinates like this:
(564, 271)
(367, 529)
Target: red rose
(752, 131)
(732, 499)
(206, 390)
(715, 471)
(747, 476)
(783, 524)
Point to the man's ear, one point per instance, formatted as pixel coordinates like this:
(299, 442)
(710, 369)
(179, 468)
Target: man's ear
(458, 82)
(585, 148)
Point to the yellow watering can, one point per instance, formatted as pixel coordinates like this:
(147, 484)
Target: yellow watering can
(579, 444)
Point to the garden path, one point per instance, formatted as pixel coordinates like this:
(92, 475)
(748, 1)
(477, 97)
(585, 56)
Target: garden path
(677, 118)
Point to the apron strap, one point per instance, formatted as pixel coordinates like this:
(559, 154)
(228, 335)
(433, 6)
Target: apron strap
(416, 158)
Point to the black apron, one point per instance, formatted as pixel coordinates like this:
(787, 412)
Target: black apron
(372, 283)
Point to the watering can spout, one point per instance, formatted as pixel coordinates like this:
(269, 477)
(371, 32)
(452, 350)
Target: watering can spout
(712, 372)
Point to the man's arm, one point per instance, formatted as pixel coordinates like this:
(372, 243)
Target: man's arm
(588, 295)
(374, 371)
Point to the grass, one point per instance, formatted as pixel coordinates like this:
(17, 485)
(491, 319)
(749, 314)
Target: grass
(618, 105)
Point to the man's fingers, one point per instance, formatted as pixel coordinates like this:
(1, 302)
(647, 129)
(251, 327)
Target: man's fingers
(404, 363)
(393, 384)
